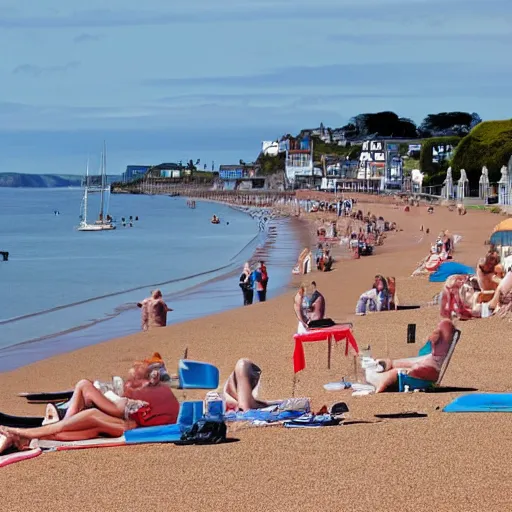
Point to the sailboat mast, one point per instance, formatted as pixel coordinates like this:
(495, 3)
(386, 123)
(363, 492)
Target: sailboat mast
(102, 192)
(85, 192)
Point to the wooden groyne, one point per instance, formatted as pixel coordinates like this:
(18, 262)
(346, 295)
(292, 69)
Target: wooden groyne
(265, 198)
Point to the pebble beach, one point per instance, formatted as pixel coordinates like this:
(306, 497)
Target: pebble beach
(438, 461)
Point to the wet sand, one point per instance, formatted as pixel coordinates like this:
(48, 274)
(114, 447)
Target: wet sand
(442, 462)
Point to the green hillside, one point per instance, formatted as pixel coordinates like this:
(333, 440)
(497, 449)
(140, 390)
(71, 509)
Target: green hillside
(18, 180)
(489, 144)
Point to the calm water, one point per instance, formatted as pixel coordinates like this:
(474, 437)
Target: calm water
(62, 289)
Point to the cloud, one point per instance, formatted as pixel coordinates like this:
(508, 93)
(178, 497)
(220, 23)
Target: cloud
(86, 38)
(384, 10)
(400, 77)
(401, 37)
(34, 70)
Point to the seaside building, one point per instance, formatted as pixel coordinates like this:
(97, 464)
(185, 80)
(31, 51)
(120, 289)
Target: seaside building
(169, 170)
(270, 148)
(299, 167)
(135, 171)
(380, 166)
(240, 177)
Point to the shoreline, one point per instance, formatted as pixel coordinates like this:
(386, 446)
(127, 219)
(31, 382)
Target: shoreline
(435, 443)
(114, 324)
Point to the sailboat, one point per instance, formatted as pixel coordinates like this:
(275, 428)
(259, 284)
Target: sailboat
(104, 219)
(104, 222)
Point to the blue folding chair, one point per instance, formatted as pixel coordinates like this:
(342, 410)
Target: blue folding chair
(413, 383)
(197, 375)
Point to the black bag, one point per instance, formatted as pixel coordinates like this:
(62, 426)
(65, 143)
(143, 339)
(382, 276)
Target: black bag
(325, 322)
(205, 431)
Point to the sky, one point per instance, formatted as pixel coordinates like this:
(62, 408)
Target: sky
(166, 81)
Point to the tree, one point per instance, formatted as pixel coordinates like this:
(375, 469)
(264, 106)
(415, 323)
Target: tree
(446, 124)
(381, 124)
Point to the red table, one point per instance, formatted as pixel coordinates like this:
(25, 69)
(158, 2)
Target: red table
(336, 332)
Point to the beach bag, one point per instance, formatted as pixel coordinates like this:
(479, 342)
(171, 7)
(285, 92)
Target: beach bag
(205, 431)
(318, 324)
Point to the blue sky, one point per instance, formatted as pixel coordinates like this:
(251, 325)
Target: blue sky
(164, 81)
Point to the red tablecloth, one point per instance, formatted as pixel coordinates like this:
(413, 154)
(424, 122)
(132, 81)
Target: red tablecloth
(337, 332)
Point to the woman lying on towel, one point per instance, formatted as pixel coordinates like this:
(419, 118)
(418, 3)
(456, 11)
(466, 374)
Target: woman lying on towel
(146, 402)
(425, 367)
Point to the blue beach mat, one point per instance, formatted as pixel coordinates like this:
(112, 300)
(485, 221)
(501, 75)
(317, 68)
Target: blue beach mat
(481, 402)
(450, 268)
(262, 415)
(313, 421)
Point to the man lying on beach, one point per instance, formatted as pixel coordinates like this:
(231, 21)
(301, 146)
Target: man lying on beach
(385, 374)
(154, 311)
(146, 402)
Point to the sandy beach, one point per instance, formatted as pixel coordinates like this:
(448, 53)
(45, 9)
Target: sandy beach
(442, 462)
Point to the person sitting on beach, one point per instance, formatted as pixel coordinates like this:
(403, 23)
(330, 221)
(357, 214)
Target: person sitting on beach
(319, 253)
(146, 402)
(316, 310)
(486, 271)
(376, 299)
(154, 311)
(241, 389)
(385, 374)
(501, 303)
(300, 306)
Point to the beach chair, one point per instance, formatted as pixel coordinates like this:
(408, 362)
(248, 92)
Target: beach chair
(413, 383)
(197, 375)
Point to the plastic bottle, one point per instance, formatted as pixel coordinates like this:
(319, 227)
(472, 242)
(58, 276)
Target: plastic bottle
(214, 405)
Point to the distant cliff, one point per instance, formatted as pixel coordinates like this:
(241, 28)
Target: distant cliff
(17, 180)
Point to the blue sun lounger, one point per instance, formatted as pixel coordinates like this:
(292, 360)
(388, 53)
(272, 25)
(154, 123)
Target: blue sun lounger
(481, 402)
(413, 383)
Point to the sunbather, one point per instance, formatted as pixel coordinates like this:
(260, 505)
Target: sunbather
(376, 299)
(501, 303)
(486, 271)
(241, 388)
(425, 367)
(90, 414)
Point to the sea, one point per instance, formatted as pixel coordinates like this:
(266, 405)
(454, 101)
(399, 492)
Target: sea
(63, 289)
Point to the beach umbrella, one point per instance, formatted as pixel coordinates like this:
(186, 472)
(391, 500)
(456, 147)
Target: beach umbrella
(502, 234)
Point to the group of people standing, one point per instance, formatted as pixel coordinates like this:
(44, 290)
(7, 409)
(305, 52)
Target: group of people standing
(254, 280)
